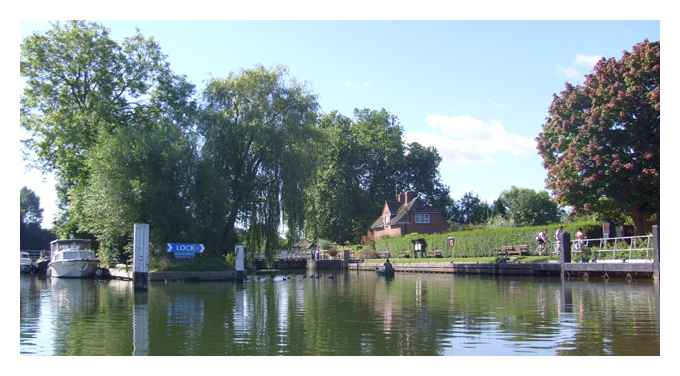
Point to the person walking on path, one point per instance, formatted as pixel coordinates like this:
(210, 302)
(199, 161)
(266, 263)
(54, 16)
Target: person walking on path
(558, 238)
(541, 240)
(580, 238)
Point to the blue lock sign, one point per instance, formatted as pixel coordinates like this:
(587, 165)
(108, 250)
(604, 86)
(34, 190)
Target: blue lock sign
(185, 250)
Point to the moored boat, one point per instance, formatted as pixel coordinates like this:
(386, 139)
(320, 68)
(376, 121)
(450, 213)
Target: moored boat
(26, 265)
(385, 272)
(72, 258)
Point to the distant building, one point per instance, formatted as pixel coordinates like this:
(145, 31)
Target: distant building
(406, 215)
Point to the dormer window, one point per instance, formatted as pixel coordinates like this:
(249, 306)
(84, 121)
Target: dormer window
(423, 218)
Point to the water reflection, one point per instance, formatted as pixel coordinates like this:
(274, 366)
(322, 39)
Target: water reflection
(346, 314)
(140, 323)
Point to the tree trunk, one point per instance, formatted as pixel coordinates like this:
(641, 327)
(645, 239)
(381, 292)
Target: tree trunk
(640, 221)
(228, 234)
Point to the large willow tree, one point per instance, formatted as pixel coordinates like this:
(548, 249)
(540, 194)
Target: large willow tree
(257, 126)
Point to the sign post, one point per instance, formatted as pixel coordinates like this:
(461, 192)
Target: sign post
(185, 250)
(140, 256)
(240, 264)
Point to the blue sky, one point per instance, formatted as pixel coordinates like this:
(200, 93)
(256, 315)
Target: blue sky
(478, 91)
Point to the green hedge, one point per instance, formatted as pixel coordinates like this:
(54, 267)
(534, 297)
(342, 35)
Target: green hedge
(482, 241)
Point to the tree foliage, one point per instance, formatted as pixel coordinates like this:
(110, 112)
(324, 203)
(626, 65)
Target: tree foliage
(600, 142)
(30, 211)
(128, 142)
(31, 235)
(138, 175)
(526, 207)
(257, 126)
(362, 162)
(81, 85)
(470, 209)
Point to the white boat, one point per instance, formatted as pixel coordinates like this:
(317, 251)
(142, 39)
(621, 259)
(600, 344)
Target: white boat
(72, 258)
(26, 263)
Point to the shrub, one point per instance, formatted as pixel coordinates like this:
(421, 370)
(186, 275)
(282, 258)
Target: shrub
(230, 259)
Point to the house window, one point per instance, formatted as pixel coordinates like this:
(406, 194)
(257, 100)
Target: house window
(386, 220)
(422, 218)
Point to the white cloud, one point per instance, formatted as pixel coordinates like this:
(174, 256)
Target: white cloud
(463, 140)
(587, 60)
(580, 66)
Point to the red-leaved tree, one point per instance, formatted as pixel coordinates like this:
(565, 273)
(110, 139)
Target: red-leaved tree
(600, 141)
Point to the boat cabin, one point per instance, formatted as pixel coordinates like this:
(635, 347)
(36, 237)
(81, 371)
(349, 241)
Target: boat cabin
(73, 246)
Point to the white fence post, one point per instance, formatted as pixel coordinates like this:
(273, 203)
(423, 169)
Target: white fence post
(240, 264)
(140, 256)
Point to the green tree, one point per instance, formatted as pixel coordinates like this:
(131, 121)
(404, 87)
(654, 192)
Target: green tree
(31, 234)
(82, 85)
(600, 142)
(257, 126)
(470, 209)
(362, 162)
(528, 207)
(141, 174)
(334, 197)
(380, 160)
(421, 174)
(30, 211)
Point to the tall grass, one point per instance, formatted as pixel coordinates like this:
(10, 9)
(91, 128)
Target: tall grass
(480, 242)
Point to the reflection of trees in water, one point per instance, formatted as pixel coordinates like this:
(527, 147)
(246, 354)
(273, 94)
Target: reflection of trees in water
(92, 317)
(188, 318)
(614, 318)
(352, 314)
(30, 303)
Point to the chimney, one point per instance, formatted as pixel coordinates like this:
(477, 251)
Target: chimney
(405, 197)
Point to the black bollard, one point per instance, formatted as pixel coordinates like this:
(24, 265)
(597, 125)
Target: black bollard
(565, 245)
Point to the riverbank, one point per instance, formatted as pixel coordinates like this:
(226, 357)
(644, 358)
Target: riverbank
(604, 270)
(465, 260)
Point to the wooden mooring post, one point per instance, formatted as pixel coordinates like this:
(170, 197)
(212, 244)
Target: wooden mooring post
(140, 256)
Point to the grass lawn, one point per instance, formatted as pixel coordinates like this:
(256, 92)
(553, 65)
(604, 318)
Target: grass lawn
(463, 260)
(197, 264)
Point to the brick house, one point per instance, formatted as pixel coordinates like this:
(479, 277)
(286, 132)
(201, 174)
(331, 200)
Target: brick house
(405, 215)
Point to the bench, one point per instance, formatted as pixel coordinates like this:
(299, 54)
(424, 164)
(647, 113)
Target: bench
(514, 250)
(436, 253)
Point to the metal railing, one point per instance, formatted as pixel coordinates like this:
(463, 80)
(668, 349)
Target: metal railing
(634, 246)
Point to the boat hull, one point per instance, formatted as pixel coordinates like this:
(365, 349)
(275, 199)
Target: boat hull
(73, 269)
(385, 273)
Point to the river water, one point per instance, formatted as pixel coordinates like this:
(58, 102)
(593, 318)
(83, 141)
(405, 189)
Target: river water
(355, 313)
